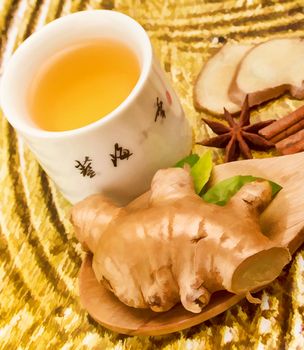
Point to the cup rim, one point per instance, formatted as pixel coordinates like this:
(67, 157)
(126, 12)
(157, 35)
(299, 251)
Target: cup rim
(26, 45)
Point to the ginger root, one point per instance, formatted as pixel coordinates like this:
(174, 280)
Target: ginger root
(170, 246)
(267, 72)
(211, 90)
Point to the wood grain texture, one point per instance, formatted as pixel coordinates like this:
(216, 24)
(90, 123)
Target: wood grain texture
(39, 256)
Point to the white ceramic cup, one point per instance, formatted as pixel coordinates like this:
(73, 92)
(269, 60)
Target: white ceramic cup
(118, 154)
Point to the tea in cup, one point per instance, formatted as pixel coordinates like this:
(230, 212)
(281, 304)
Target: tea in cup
(92, 103)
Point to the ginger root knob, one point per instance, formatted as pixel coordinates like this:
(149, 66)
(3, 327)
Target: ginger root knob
(171, 246)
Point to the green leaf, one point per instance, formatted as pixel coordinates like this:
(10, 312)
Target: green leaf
(221, 193)
(276, 188)
(201, 171)
(191, 160)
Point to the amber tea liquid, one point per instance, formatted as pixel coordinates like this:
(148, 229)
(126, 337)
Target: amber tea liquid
(81, 84)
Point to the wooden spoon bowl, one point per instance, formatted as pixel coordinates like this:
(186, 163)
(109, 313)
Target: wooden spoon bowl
(282, 221)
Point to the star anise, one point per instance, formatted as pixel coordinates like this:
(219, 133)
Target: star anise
(238, 137)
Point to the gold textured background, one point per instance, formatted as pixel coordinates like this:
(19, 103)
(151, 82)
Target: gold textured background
(39, 257)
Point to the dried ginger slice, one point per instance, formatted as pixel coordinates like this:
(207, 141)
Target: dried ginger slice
(269, 70)
(212, 85)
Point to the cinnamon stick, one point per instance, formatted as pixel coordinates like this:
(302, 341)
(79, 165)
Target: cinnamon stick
(285, 126)
(289, 131)
(292, 144)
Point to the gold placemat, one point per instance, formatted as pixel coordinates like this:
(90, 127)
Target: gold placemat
(39, 257)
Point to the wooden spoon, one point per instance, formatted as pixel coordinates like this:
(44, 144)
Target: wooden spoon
(282, 221)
